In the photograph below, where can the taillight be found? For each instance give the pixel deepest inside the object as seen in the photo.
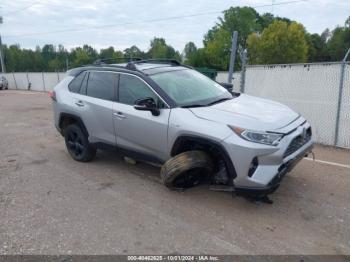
(52, 94)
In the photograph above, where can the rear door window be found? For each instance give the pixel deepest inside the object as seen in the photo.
(101, 85)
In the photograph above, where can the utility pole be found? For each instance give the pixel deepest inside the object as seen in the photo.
(233, 56)
(1, 52)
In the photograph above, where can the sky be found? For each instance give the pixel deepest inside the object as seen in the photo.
(123, 23)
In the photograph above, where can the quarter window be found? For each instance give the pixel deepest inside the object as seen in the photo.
(75, 85)
(101, 85)
(132, 88)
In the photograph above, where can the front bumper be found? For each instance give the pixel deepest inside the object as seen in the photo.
(275, 182)
(273, 162)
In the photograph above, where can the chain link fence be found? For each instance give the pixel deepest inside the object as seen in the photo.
(310, 89)
(41, 81)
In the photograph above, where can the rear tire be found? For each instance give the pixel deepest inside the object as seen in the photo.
(186, 170)
(77, 144)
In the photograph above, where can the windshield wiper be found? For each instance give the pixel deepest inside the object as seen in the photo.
(219, 101)
(192, 105)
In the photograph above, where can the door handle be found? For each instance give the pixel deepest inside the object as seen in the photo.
(79, 103)
(119, 114)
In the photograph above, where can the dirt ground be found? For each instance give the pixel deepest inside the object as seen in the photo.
(50, 204)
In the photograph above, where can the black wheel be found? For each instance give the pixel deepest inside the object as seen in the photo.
(77, 144)
(186, 170)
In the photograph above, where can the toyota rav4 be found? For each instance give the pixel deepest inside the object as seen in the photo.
(163, 112)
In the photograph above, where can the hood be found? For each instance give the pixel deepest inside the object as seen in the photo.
(249, 112)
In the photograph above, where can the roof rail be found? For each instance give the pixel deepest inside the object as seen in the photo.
(133, 61)
(159, 60)
(127, 59)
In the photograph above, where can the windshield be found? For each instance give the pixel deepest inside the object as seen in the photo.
(189, 87)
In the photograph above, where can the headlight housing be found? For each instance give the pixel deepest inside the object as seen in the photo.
(265, 138)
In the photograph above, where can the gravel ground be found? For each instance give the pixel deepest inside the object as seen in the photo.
(50, 204)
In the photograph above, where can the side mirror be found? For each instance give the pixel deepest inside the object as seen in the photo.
(147, 104)
(228, 86)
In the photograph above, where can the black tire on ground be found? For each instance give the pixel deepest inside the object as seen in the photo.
(77, 144)
(0, 87)
(186, 170)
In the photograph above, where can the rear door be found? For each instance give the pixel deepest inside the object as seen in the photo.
(137, 130)
(94, 102)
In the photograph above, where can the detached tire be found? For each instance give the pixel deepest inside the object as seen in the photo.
(77, 144)
(186, 170)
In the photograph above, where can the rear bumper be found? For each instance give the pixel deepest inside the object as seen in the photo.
(275, 182)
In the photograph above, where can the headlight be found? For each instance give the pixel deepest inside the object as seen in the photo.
(272, 139)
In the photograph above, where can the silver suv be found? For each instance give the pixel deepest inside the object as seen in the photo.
(163, 112)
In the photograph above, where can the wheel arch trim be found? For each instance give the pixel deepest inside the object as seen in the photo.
(206, 141)
(76, 118)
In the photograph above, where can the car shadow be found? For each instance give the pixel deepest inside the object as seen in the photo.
(114, 160)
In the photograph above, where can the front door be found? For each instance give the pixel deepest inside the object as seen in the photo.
(137, 130)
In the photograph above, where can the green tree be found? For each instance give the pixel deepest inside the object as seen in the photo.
(159, 49)
(107, 53)
(9, 58)
(217, 51)
(91, 52)
(266, 19)
(278, 43)
(189, 50)
(134, 52)
(241, 19)
(79, 57)
(39, 62)
(194, 56)
(218, 40)
(317, 48)
(339, 43)
(48, 52)
(198, 58)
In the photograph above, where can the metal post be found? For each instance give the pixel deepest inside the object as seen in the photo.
(244, 64)
(29, 84)
(340, 93)
(233, 56)
(3, 70)
(42, 75)
(14, 79)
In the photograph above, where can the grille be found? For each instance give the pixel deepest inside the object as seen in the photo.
(298, 142)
